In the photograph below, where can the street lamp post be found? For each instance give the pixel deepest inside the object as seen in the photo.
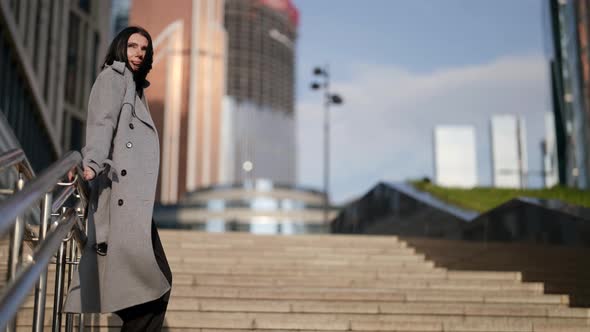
(329, 99)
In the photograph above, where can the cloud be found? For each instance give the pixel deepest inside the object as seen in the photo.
(384, 130)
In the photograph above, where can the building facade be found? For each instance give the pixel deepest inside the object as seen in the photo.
(261, 88)
(222, 93)
(549, 152)
(50, 52)
(509, 151)
(455, 159)
(187, 90)
(119, 16)
(569, 54)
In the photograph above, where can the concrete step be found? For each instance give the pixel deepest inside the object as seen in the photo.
(367, 294)
(253, 289)
(241, 282)
(209, 266)
(344, 322)
(356, 295)
(282, 261)
(287, 249)
(383, 259)
(288, 246)
(363, 281)
(538, 328)
(482, 285)
(292, 250)
(326, 239)
(368, 307)
(289, 254)
(336, 270)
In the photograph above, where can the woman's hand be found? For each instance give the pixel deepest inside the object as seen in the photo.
(88, 173)
(71, 174)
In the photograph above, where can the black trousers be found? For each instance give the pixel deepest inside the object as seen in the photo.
(149, 316)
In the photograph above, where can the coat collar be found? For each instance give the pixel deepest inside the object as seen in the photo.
(141, 112)
(121, 68)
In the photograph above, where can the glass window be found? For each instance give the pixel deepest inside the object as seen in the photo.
(215, 226)
(76, 134)
(50, 27)
(94, 62)
(82, 65)
(215, 205)
(37, 29)
(264, 185)
(264, 225)
(3, 78)
(64, 128)
(85, 5)
(72, 59)
(264, 204)
(288, 227)
(14, 6)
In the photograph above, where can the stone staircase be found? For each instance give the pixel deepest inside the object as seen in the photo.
(243, 282)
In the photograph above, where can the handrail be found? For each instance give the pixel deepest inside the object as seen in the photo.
(18, 289)
(25, 274)
(21, 201)
(17, 157)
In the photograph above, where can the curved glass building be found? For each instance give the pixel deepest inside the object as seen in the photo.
(259, 206)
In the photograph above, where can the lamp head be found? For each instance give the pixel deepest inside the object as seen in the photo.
(336, 99)
(318, 71)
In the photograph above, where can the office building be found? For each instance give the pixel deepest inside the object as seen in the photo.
(549, 153)
(569, 54)
(222, 91)
(509, 152)
(119, 16)
(455, 160)
(261, 87)
(50, 54)
(187, 91)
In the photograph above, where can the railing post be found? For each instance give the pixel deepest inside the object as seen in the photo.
(41, 288)
(59, 286)
(71, 262)
(15, 249)
(80, 322)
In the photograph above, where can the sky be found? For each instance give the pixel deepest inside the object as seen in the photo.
(403, 67)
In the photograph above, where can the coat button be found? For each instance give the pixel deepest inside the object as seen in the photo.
(123, 172)
(131, 126)
(129, 145)
(120, 202)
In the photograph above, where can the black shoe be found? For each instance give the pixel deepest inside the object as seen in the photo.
(101, 248)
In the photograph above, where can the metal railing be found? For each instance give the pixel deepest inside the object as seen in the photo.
(60, 227)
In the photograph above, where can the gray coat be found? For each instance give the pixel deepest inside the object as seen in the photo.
(122, 147)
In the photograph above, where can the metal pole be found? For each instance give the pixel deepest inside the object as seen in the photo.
(71, 263)
(16, 243)
(41, 288)
(80, 322)
(59, 286)
(326, 142)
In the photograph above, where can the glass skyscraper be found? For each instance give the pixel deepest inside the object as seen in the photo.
(50, 53)
(569, 55)
(260, 85)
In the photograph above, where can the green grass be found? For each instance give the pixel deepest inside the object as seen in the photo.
(482, 199)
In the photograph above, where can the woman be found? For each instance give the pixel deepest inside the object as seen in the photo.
(123, 268)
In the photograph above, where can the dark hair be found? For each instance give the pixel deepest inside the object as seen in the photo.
(118, 52)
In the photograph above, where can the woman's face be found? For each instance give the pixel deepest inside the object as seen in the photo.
(137, 46)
